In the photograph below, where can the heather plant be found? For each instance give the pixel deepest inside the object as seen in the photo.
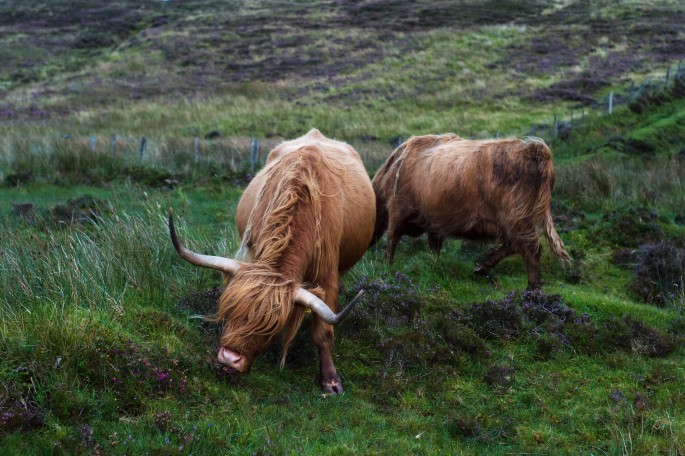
(555, 327)
(18, 408)
(631, 226)
(659, 276)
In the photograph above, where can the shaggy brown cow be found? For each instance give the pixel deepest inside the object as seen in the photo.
(306, 218)
(447, 186)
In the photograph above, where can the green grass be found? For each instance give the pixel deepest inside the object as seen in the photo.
(74, 292)
(101, 350)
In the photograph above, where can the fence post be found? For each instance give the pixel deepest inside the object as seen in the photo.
(556, 126)
(532, 130)
(143, 146)
(114, 144)
(497, 135)
(196, 149)
(254, 146)
(668, 74)
(611, 102)
(91, 142)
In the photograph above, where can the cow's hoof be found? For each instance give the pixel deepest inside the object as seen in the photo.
(535, 286)
(332, 386)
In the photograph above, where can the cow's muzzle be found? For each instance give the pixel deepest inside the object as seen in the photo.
(229, 358)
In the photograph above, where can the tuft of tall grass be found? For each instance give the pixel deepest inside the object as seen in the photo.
(601, 184)
(60, 286)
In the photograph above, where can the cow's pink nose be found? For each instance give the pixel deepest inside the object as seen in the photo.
(232, 359)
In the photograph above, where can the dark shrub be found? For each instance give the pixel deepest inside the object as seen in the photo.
(630, 227)
(639, 147)
(556, 327)
(622, 258)
(391, 317)
(628, 334)
(497, 319)
(394, 301)
(17, 179)
(501, 377)
(82, 210)
(660, 273)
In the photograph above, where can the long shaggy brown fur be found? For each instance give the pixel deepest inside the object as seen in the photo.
(288, 247)
(259, 299)
(482, 190)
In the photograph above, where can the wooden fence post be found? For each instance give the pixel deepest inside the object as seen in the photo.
(91, 142)
(668, 74)
(254, 149)
(611, 102)
(196, 149)
(114, 144)
(143, 146)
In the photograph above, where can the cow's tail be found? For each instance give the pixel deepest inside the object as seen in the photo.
(555, 242)
(385, 186)
(543, 211)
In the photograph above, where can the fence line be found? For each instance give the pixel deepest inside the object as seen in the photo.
(244, 153)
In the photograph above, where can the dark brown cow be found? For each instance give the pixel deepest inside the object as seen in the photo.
(306, 218)
(446, 186)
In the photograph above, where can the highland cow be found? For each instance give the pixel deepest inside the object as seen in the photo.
(305, 219)
(491, 190)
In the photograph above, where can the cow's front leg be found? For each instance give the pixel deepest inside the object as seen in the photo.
(322, 335)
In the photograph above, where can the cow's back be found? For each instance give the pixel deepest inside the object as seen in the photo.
(349, 204)
(466, 188)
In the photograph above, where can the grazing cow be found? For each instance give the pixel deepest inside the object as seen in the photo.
(305, 219)
(494, 190)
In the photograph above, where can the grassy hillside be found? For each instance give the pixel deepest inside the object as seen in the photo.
(377, 68)
(101, 347)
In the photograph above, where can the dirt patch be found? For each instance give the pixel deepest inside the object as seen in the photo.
(580, 89)
(82, 210)
(18, 409)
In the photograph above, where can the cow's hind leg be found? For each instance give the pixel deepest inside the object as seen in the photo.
(396, 229)
(494, 258)
(401, 222)
(531, 253)
(322, 336)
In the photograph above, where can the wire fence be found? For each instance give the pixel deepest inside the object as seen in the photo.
(214, 152)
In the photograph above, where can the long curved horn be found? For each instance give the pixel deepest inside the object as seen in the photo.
(310, 301)
(226, 265)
